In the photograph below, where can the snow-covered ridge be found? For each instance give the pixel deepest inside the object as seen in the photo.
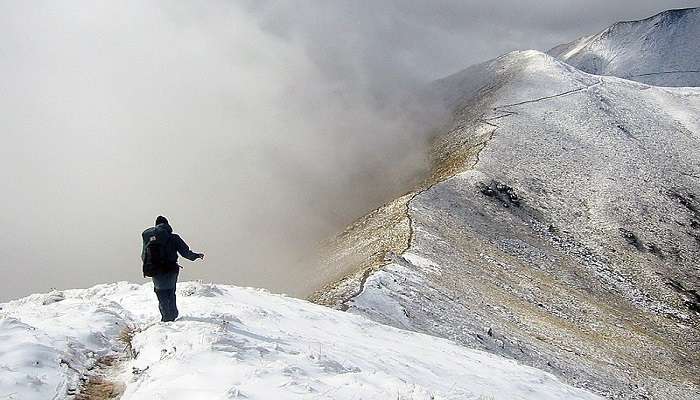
(662, 50)
(560, 227)
(528, 70)
(235, 342)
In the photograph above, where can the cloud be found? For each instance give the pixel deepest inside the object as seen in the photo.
(118, 112)
(257, 127)
(395, 41)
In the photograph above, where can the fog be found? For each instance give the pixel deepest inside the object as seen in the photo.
(257, 127)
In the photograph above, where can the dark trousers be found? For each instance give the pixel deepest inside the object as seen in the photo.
(167, 304)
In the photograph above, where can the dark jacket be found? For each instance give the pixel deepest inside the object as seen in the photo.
(174, 246)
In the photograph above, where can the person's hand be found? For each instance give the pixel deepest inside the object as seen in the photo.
(201, 256)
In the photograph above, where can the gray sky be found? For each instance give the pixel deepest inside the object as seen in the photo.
(257, 127)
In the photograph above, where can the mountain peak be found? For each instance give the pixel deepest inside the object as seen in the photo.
(671, 15)
(661, 50)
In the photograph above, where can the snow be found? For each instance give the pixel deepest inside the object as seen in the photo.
(47, 339)
(233, 342)
(662, 50)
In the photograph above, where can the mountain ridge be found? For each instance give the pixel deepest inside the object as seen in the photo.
(659, 50)
(558, 227)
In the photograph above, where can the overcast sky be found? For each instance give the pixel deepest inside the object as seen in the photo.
(257, 127)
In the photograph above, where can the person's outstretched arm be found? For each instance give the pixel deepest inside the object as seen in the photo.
(185, 251)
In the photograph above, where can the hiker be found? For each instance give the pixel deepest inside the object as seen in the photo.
(159, 256)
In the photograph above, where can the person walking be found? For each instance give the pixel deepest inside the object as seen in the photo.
(159, 255)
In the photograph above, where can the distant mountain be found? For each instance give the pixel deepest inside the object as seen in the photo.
(560, 226)
(662, 50)
(235, 343)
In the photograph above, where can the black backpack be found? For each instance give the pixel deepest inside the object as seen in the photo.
(155, 241)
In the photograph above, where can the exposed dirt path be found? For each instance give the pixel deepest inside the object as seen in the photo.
(101, 383)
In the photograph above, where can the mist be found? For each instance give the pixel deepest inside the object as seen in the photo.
(257, 127)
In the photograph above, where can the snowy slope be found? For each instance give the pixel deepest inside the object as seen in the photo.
(243, 343)
(662, 50)
(561, 227)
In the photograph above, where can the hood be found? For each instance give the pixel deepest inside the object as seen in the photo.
(167, 227)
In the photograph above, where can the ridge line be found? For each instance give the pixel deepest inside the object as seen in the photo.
(666, 72)
(481, 146)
